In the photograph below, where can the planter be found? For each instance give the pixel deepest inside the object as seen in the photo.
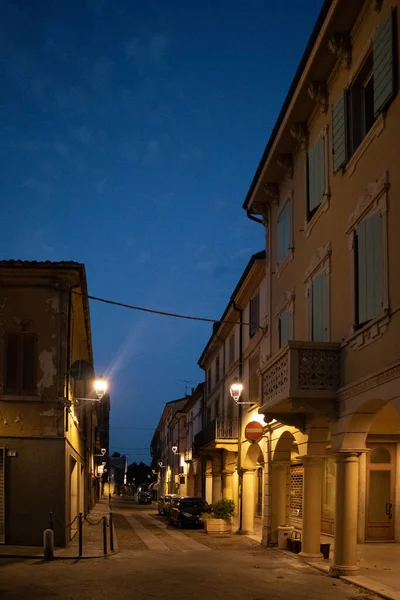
(325, 549)
(218, 526)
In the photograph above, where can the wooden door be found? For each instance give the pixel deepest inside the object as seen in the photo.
(381, 478)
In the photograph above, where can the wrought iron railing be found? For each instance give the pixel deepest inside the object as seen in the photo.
(220, 428)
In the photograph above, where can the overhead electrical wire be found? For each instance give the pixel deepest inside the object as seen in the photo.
(153, 311)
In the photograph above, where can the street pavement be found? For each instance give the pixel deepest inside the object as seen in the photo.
(158, 561)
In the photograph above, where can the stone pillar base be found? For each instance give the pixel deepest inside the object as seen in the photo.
(245, 532)
(311, 556)
(339, 570)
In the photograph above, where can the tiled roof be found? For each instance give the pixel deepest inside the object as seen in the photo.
(40, 264)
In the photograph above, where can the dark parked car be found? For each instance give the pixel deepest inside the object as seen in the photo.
(164, 503)
(186, 511)
(144, 498)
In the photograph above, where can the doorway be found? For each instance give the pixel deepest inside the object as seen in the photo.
(381, 479)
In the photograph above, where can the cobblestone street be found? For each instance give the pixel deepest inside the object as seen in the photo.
(155, 560)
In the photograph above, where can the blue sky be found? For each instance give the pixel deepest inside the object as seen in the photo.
(130, 133)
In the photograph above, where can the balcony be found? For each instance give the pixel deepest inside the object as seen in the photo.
(302, 378)
(221, 433)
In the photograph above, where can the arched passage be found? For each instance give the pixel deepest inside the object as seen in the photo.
(252, 482)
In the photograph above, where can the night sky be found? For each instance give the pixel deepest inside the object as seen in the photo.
(130, 133)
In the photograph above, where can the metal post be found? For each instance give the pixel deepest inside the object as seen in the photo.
(105, 534)
(80, 523)
(111, 533)
(51, 526)
(48, 544)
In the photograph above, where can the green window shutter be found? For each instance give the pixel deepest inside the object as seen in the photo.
(284, 235)
(383, 51)
(288, 237)
(316, 173)
(362, 273)
(310, 312)
(319, 299)
(339, 132)
(373, 266)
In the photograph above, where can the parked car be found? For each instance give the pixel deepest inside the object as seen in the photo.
(164, 504)
(145, 498)
(186, 510)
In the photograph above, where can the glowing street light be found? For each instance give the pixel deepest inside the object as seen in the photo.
(100, 386)
(236, 389)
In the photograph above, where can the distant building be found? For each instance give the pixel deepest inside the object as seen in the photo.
(48, 434)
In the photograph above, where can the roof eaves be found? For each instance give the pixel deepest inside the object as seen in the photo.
(288, 99)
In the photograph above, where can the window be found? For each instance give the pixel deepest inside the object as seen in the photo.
(285, 328)
(20, 363)
(254, 315)
(318, 308)
(254, 379)
(209, 379)
(284, 233)
(368, 263)
(315, 176)
(217, 369)
(355, 111)
(231, 348)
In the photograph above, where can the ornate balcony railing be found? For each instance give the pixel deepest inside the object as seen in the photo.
(301, 370)
(219, 429)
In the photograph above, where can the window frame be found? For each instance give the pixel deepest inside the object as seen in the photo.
(286, 305)
(254, 324)
(374, 199)
(20, 389)
(287, 205)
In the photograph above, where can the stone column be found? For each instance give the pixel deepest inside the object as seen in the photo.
(312, 501)
(227, 485)
(216, 486)
(209, 487)
(248, 501)
(345, 551)
(279, 472)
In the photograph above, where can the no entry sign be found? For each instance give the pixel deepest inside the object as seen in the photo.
(253, 431)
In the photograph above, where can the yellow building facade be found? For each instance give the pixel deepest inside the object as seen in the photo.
(47, 436)
(326, 191)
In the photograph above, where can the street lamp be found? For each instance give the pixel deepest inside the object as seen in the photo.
(236, 390)
(100, 386)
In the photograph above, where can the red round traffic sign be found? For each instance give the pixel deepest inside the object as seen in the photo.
(253, 431)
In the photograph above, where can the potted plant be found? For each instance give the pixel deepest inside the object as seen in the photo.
(219, 519)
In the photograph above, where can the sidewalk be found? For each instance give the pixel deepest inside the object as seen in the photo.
(92, 540)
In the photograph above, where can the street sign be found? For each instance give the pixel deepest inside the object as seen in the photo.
(253, 431)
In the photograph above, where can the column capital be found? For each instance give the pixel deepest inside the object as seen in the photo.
(280, 464)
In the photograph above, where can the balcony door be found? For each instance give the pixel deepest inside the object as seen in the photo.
(381, 480)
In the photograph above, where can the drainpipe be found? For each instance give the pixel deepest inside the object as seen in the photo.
(253, 218)
(239, 462)
(68, 360)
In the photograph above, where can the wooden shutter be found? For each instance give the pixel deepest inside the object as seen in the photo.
(253, 379)
(2, 495)
(28, 363)
(281, 237)
(12, 363)
(288, 227)
(339, 132)
(254, 315)
(316, 174)
(362, 272)
(383, 51)
(285, 328)
(369, 266)
(319, 308)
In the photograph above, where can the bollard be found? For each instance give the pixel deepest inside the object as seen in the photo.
(80, 519)
(105, 534)
(51, 525)
(48, 544)
(111, 533)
